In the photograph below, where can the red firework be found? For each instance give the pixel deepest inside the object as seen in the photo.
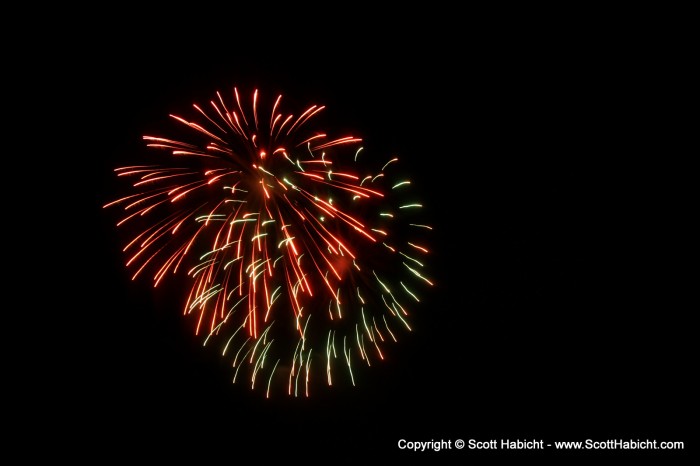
(275, 222)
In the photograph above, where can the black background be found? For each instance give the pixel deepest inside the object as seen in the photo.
(556, 313)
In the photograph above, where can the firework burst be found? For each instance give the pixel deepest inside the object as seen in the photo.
(305, 254)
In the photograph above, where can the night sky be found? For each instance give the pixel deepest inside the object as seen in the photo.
(554, 314)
